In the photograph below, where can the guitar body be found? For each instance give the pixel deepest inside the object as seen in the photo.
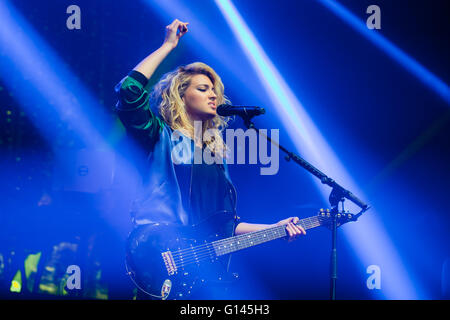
(173, 262)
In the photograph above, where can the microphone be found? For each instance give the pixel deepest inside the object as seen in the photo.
(226, 110)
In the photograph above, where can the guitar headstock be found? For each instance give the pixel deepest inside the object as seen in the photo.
(326, 217)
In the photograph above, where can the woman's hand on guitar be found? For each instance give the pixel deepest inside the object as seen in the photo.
(293, 230)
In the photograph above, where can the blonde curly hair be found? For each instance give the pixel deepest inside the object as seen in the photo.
(166, 97)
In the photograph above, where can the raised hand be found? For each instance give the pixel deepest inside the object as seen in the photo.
(175, 31)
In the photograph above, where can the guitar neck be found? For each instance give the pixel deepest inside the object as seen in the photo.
(236, 243)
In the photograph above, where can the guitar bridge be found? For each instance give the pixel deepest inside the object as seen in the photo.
(169, 262)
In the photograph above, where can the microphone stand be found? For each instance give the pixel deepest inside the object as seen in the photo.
(338, 195)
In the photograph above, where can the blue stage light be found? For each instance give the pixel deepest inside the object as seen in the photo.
(38, 77)
(44, 86)
(409, 63)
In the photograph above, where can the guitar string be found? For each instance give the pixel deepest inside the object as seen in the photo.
(217, 242)
(259, 235)
(194, 258)
(198, 251)
(211, 250)
(208, 251)
(308, 225)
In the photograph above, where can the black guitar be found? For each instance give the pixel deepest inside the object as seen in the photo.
(168, 262)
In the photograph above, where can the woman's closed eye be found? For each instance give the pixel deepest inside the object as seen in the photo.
(204, 89)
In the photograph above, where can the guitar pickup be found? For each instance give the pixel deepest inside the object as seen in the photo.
(169, 262)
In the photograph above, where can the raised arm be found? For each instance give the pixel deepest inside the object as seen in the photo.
(174, 32)
(133, 107)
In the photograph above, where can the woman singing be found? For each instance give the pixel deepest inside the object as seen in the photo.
(176, 189)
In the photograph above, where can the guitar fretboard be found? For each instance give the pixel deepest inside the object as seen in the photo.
(236, 243)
